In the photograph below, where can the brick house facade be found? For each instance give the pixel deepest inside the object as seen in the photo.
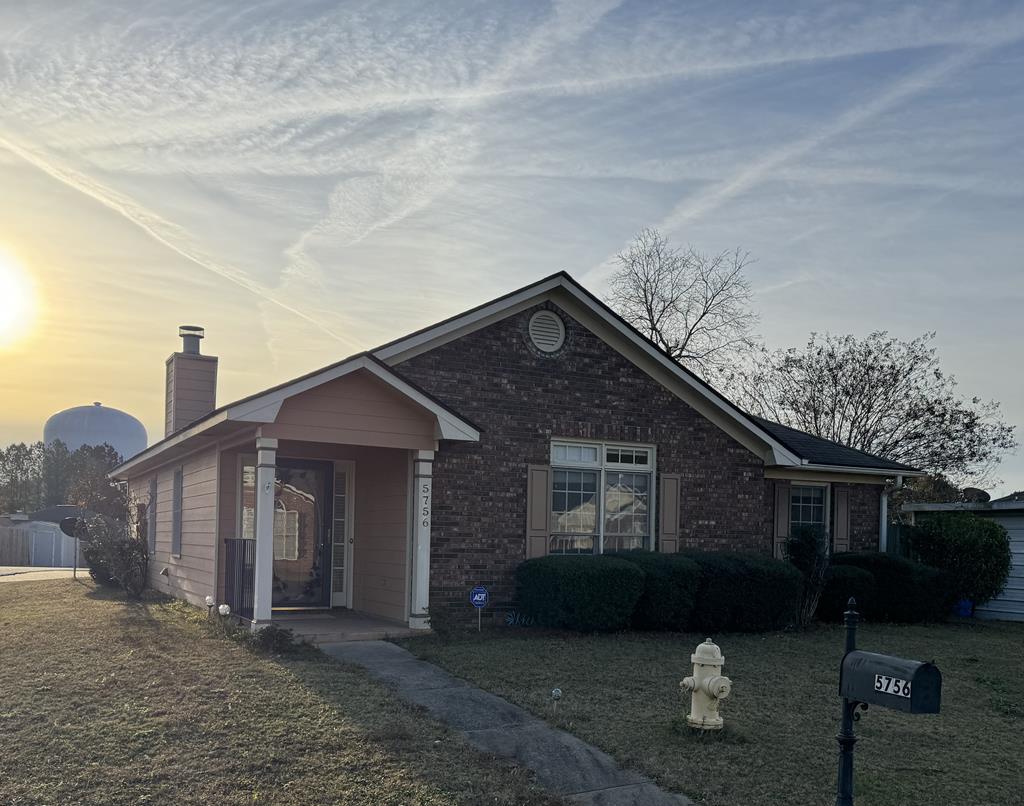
(521, 398)
(539, 422)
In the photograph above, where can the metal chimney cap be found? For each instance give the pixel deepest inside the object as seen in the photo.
(191, 330)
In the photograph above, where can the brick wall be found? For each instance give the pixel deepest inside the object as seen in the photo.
(865, 510)
(520, 399)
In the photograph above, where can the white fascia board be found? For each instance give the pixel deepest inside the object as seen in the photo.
(440, 332)
(406, 348)
(150, 453)
(869, 471)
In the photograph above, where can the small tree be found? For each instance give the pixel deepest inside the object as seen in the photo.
(696, 307)
(808, 550)
(117, 550)
(975, 552)
(881, 395)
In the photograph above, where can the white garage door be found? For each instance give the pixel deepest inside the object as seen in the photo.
(1009, 606)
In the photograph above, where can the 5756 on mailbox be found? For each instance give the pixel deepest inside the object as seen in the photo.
(904, 685)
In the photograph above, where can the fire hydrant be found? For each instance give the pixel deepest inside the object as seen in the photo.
(707, 687)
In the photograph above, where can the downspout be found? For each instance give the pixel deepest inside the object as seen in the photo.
(883, 516)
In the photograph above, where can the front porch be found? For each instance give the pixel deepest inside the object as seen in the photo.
(324, 513)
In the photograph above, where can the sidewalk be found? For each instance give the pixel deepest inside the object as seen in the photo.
(564, 765)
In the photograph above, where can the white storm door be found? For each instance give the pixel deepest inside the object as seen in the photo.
(342, 535)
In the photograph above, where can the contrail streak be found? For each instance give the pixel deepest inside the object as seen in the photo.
(156, 228)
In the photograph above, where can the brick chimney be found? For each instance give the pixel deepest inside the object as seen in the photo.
(191, 382)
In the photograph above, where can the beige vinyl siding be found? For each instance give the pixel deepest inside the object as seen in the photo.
(381, 534)
(358, 409)
(190, 576)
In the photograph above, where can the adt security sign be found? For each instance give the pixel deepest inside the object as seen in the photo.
(479, 596)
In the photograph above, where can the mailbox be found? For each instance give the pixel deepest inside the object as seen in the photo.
(904, 685)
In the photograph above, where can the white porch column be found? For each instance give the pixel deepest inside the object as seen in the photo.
(422, 489)
(263, 583)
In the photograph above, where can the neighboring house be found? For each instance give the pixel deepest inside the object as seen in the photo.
(1009, 513)
(397, 479)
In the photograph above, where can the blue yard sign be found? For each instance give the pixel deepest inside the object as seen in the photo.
(479, 596)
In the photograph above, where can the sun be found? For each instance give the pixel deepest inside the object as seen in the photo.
(17, 299)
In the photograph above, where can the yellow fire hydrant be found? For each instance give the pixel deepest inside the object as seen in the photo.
(707, 687)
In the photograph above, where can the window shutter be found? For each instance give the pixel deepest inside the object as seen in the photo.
(668, 513)
(176, 514)
(781, 518)
(841, 505)
(538, 510)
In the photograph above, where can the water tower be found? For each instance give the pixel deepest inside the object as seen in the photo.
(95, 425)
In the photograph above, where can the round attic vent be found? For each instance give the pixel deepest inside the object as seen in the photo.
(547, 331)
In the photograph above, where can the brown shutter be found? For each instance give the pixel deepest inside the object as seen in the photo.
(668, 513)
(781, 518)
(538, 510)
(841, 506)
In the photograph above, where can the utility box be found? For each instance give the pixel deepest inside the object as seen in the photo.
(891, 682)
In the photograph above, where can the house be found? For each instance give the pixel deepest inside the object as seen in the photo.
(1009, 513)
(395, 480)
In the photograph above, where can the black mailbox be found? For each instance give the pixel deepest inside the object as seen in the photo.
(905, 685)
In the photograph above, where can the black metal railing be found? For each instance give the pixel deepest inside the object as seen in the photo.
(239, 573)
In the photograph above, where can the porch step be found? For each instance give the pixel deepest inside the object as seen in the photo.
(332, 627)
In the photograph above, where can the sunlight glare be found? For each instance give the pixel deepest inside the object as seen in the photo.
(17, 299)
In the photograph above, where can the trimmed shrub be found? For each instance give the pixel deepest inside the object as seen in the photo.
(842, 582)
(974, 551)
(587, 593)
(744, 592)
(905, 591)
(670, 588)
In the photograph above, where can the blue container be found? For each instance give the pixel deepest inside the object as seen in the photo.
(965, 608)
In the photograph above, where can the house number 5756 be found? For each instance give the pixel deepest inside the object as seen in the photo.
(425, 504)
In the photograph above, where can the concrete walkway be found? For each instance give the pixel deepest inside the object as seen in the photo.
(564, 765)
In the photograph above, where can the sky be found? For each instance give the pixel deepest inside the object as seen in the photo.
(309, 179)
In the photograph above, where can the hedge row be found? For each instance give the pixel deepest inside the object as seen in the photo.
(887, 588)
(694, 591)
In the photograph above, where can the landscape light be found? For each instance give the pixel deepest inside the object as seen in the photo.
(224, 610)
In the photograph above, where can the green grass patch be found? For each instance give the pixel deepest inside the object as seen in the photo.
(103, 701)
(621, 692)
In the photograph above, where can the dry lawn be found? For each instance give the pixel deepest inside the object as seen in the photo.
(106, 702)
(620, 692)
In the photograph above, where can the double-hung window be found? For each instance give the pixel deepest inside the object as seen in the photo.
(601, 497)
(808, 507)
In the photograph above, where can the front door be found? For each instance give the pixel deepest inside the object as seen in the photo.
(303, 514)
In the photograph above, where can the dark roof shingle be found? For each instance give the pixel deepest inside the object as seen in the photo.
(824, 451)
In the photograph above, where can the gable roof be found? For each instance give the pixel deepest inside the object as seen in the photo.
(821, 451)
(775, 444)
(262, 407)
(788, 446)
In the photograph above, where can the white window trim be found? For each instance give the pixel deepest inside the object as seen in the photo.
(602, 466)
(827, 502)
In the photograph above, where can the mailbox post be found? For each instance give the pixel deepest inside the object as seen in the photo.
(868, 678)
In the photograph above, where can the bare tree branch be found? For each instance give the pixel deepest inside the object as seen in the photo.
(696, 307)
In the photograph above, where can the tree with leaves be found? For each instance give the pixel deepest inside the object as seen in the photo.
(882, 395)
(696, 307)
(41, 475)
